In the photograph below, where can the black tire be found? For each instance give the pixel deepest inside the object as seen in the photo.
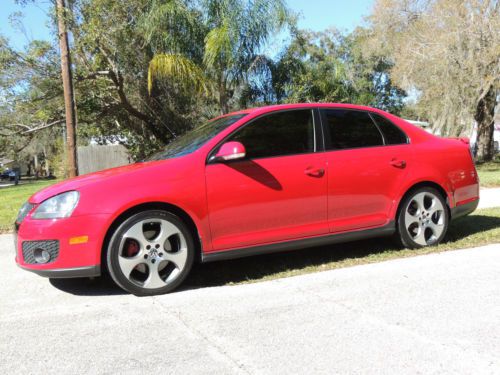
(407, 232)
(114, 249)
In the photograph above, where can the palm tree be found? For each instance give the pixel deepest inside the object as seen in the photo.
(235, 31)
(173, 30)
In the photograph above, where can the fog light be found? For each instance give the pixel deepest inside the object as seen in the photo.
(41, 255)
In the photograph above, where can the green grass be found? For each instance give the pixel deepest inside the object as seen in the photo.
(489, 174)
(480, 228)
(12, 197)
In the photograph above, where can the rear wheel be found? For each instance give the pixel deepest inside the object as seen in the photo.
(150, 253)
(423, 218)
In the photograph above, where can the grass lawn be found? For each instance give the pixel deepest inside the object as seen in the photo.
(12, 197)
(489, 174)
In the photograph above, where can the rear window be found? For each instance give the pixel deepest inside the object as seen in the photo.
(351, 129)
(392, 134)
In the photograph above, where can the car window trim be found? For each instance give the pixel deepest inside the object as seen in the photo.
(318, 138)
(384, 141)
(319, 133)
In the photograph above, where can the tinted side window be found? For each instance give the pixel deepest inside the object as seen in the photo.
(351, 129)
(392, 134)
(277, 134)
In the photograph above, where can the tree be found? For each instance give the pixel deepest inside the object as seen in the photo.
(114, 45)
(446, 51)
(235, 31)
(31, 104)
(110, 57)
(326, 66)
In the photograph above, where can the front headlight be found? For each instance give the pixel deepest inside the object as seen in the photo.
(23, 211)
(59, 206)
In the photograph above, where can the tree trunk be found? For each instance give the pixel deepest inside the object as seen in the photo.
(69, 99)
(223, 99)
(224, 107)
(485, 113)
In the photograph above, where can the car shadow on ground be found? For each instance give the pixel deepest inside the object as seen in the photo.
(99, 286)
(262, 266)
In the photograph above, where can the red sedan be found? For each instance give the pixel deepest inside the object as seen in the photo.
(251, 182)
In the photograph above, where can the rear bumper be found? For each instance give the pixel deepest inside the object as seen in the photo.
(464, 209)
(67, 273)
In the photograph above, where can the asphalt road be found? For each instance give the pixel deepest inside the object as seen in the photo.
(438, 313)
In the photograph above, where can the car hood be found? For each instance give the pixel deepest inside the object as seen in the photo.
(99, 177)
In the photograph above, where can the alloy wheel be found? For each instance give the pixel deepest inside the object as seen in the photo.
(152, 253)
(424, 218)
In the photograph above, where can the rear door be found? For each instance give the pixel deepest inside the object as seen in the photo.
(278, 192)
(367, 163)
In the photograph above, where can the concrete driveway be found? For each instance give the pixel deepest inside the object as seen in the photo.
(490, 197)
(438, 313)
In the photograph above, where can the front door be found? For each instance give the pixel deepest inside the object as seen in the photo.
(278, 192)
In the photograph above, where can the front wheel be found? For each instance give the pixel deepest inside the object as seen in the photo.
(423, 218)
(150, 253)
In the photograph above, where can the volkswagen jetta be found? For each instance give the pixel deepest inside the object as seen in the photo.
(250, 182)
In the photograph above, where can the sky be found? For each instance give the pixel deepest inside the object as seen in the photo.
(34, 22)
(313, 14)
(318, 15)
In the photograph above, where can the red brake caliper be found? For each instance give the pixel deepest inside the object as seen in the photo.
(131, 248)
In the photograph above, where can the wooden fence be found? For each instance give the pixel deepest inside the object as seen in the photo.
(96, 158)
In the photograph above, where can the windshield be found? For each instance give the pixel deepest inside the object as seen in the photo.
(194, 139)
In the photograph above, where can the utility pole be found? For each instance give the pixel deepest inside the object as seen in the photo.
(69, 98)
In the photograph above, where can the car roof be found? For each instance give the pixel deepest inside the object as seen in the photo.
(277, 107)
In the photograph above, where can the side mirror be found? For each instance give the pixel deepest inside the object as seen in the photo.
(230, 151)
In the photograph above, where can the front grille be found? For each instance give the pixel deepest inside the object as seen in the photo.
(29, 247)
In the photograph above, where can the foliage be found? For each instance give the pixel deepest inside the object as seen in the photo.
(234, 32)
(324, 67)
(31, 107)
(189, 75)
(112, 58)
(146, 71)
(447, 52)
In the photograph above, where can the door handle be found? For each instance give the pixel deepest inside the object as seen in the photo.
(314, 172)
(398, 163)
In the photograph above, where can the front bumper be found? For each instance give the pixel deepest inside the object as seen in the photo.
(71, 258)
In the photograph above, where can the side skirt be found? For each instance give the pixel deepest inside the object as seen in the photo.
(329, 239)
